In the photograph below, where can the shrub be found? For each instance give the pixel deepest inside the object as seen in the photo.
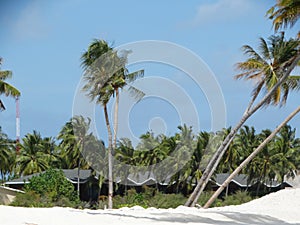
(50, 188)
(238, 198)
(205, 196)
(166, 201)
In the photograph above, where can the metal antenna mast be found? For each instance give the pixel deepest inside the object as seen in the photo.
(17, 123)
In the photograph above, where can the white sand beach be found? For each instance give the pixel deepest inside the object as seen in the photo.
(280, 208)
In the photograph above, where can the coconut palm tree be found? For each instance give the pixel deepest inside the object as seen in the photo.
(7, 156)
(264, 67)
(105, 74)
(32, 158)
(285, 13)
(287, 148)
(74, 137)
(273, 79)
(6, 88)
(125, 154)
(250, 157)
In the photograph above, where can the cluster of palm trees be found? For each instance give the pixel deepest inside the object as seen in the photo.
(279, 158)
(271, 69)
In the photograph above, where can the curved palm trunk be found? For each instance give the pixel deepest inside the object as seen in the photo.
(213, 163)
(110, 166)
(250, 157)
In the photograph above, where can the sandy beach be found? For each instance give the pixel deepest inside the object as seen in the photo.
(282, 207)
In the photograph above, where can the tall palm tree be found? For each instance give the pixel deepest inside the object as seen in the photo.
(32, 158)
(105, 74)
(285, 13)
(6, 88)
(273, 83)
(250, 157)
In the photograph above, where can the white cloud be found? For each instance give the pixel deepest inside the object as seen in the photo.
(30, 23)
(221, 10)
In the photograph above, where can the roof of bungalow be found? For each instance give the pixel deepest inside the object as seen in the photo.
(144, 178)
(242, 181)
(71, 175)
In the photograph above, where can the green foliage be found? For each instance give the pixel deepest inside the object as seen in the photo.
(205, 196)
(151, 198)
(48, 189)
(238, 198)
(132, 198)
(165, 201)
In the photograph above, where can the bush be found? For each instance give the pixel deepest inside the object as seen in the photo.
(238, 198)
(46, 190)
(131, 198)
(205, 196)
(166, 201)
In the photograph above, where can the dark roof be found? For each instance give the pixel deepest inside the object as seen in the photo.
(144, 178)
(242, 181)
(71, 175)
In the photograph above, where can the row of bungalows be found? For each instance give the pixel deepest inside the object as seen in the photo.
(90, 191)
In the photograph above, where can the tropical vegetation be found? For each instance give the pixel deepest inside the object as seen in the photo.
(192, 159)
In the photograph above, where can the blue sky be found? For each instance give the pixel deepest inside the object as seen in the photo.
(42, 41)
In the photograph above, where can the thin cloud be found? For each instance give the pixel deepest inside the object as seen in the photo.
(30, 23)
(222, 10)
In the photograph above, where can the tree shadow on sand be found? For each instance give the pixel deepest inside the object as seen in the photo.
(229, 218)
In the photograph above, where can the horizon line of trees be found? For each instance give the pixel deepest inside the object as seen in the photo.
(279, 158)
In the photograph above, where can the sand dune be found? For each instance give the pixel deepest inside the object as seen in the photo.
(280, 208)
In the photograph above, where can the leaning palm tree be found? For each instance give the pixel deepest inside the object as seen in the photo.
(285, 13)
(250, 157)
(264, 67)
(105, 74)
(271, 70)
(6, 88)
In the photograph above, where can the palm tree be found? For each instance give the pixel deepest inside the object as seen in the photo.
(285, 13)
(265, 68)
(125, 154)
(32, 158)
(7, 156)
(105, 74)
(287, 148)
(6, 88)
(272, 82)
(50, 148)
(74, 137)
(250, 157)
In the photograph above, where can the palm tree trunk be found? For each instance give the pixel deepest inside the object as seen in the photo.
(213, 163)
(78, 177)
(116, 118)
(250, 157)
(110, 166)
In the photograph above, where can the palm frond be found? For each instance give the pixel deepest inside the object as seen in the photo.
(5, 74)
(136, 93)
(8, 89)
(134, 75)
